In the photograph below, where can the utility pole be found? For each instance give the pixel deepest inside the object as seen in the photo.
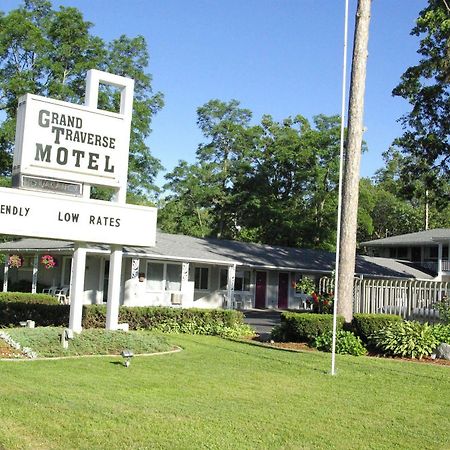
(350, 186)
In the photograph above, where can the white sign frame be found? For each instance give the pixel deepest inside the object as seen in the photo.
(56, 139)
(52, 216)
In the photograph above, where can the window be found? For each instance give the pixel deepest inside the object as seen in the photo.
(433, 252)
(223, 280)
(155, 276)
(445, 251)
(173, 277)
(241, 280)
(163, 277)
(402, 252)
(201, 278)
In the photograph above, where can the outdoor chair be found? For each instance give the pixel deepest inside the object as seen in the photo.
(238, 302)
(63, 295)
(51, 290)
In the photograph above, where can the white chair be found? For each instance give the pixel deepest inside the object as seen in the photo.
(63, 295)
(51, 290)
(238, 302)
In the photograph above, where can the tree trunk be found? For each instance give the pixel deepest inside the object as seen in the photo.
(350, 185)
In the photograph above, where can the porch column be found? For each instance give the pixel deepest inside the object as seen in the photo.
(5, 276)
(114, 286)
(77, 287)
(184, 275)
(135, 269)
(35, 274)
(439, 264)
(230, 286)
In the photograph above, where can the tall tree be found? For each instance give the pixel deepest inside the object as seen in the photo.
(426, 138)
(272, 183)
(224, 124)
(350, 184)
(48, 52)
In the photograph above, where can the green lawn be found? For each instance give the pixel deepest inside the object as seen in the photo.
(218, 394)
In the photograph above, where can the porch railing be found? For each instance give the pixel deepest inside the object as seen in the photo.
(433, 265)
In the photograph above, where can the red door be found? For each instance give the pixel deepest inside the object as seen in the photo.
(283, 289)
(260, 297)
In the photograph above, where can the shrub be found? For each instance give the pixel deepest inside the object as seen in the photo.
(443, 306)
(305, 327)
(365, 325)
(44, 309)
(278, 333)
(227, 323)
(346, 343)
(23, 297)
(442, 333)
(411, 339)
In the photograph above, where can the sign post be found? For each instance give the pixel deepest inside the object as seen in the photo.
(62, 149)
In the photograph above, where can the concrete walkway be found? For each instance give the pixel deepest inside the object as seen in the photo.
(262, 320)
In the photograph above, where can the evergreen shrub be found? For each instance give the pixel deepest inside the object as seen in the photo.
(228, 323)
(305, 327)
(365, 325)
(16, 307)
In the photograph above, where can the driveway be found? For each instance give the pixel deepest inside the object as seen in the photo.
(262, 320)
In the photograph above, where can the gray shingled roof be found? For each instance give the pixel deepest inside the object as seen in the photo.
(427, 237)
(217, 251)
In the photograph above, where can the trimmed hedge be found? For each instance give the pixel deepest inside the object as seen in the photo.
(27, 297)
(365, 325)
(306, 327)
(45, 311)
(138, 318)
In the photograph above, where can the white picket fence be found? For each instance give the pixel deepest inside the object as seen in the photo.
(412, 299)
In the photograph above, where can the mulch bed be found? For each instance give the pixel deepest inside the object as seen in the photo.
(301, 346)
(6, 351)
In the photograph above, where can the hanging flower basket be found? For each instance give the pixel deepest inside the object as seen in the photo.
(15, 261)
(48, 261)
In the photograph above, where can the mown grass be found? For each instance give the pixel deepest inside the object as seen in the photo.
(46, 343)
(218, 394)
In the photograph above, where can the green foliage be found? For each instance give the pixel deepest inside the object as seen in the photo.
(442, 333)
(304, 327)
(45, 311)
(346, 343)
(365, 325)
(46, 343)
(48, 52)
(411, 339)
(381, 212)
(42, 310)
(306, 285)
(271, 183)
(227, 323)
(28, 298)
(425, 86)
(443, 306)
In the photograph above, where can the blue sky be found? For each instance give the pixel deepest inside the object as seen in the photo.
(277, 57)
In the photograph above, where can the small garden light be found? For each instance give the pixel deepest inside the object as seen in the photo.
(65, 335)
(127, 355)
